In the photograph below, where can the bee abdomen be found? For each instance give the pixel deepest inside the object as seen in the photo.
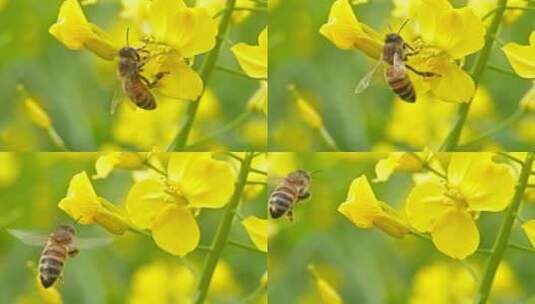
(49, 270)
(281, 201)
(403, 87)
(146, 101)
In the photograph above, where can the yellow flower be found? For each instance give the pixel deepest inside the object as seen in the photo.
(403, 161)
(527, 103)
(223, 282)
(438, 48)
(253, 59)
(257, 230)
(346, 32)
(259, 101)
(309, 115)
(447, 208)
(195, 180)
(529, 230)
(160, 282)
(37, 114)
(10, 168)
(75, 32)
(484, 7)
(327, 294)
(135, 10)
(83, 205)
(522, 57)
(420, 124)
(121, 160)
(365, 211)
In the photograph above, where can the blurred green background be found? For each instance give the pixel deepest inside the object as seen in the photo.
(327, 76)
(76, 87)
(367, 265)
(31, 185)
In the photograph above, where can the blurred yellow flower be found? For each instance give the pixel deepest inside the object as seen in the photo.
(37, 114)
(10, 168)
(257, 230)
(195, 180)
(529, 230)
(365, 211)
(484, 7)
(160, 282)
(327, 294)
(309, 115)
(253, 59)
(446, 283)
(346, 32)
(75, 32)
(527, 103)
(259, 101)
(83, 205)
(447, 208)
(522, 57)
(48, 295)
(121, 160)
(223, 281)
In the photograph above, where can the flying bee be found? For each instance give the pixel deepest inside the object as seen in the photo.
(395, 54)
(136, 86)
(294, 188)
(58, 247)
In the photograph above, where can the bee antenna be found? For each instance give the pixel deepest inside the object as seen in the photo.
(403, 25)
(127, 33)
(315, 172)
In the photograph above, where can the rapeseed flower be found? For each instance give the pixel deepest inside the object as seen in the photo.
(257, 229)
(364, 210)
(438, 46)
(522, 57)
(326, 292)
(83, 205)
(253, 59)
(406, 162)
(120, 160)
(167, 207)
(447, 208)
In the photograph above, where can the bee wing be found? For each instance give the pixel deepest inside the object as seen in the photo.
(398, 65)
(367, 79)
(28, 237)
(88, 243)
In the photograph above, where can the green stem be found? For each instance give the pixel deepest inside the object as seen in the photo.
(230, 126)
(209, 64)
(252, 9)
(522, 248)
(501, 70)
(451, 142)
(233, 72)
(502, 239)
(504, 124)
(245, 246)
(222, 234)
(511, 158)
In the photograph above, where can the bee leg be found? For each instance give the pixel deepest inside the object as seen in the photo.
(290, 215)
(423, 74)
(73, 252)
(145, 80)
(304, 196)
(157, 79)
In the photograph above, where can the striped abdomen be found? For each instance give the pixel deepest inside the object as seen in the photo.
(400, 83)
(282, 199)
(139, 93)
(51, 263)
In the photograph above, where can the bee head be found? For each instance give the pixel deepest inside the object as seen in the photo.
(128, 52)
(393, 38)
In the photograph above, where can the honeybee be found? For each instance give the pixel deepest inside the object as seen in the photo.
(58, 247)
(136, 86)
(395, 54)
(294, 188)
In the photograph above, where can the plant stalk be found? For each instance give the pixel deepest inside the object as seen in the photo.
(221, 237)
(502, 241)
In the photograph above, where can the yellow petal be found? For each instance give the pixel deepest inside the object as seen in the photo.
(424, 205)
(527, 103)
(361, 206)
(203, 181)
(105, 164)
(470, 172)
(328, 294)
(181, 81)
(192, 31)
(344, 30)
(385, 168)
(175, 230)
(529, 230)
(455, 234)
(253, 59)
(259, 101)
(81, 202)
(522, 57)
(144, 202)
(71, 28)
(309, 114)
(453, 84)
(257, 230)
(161, 12)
